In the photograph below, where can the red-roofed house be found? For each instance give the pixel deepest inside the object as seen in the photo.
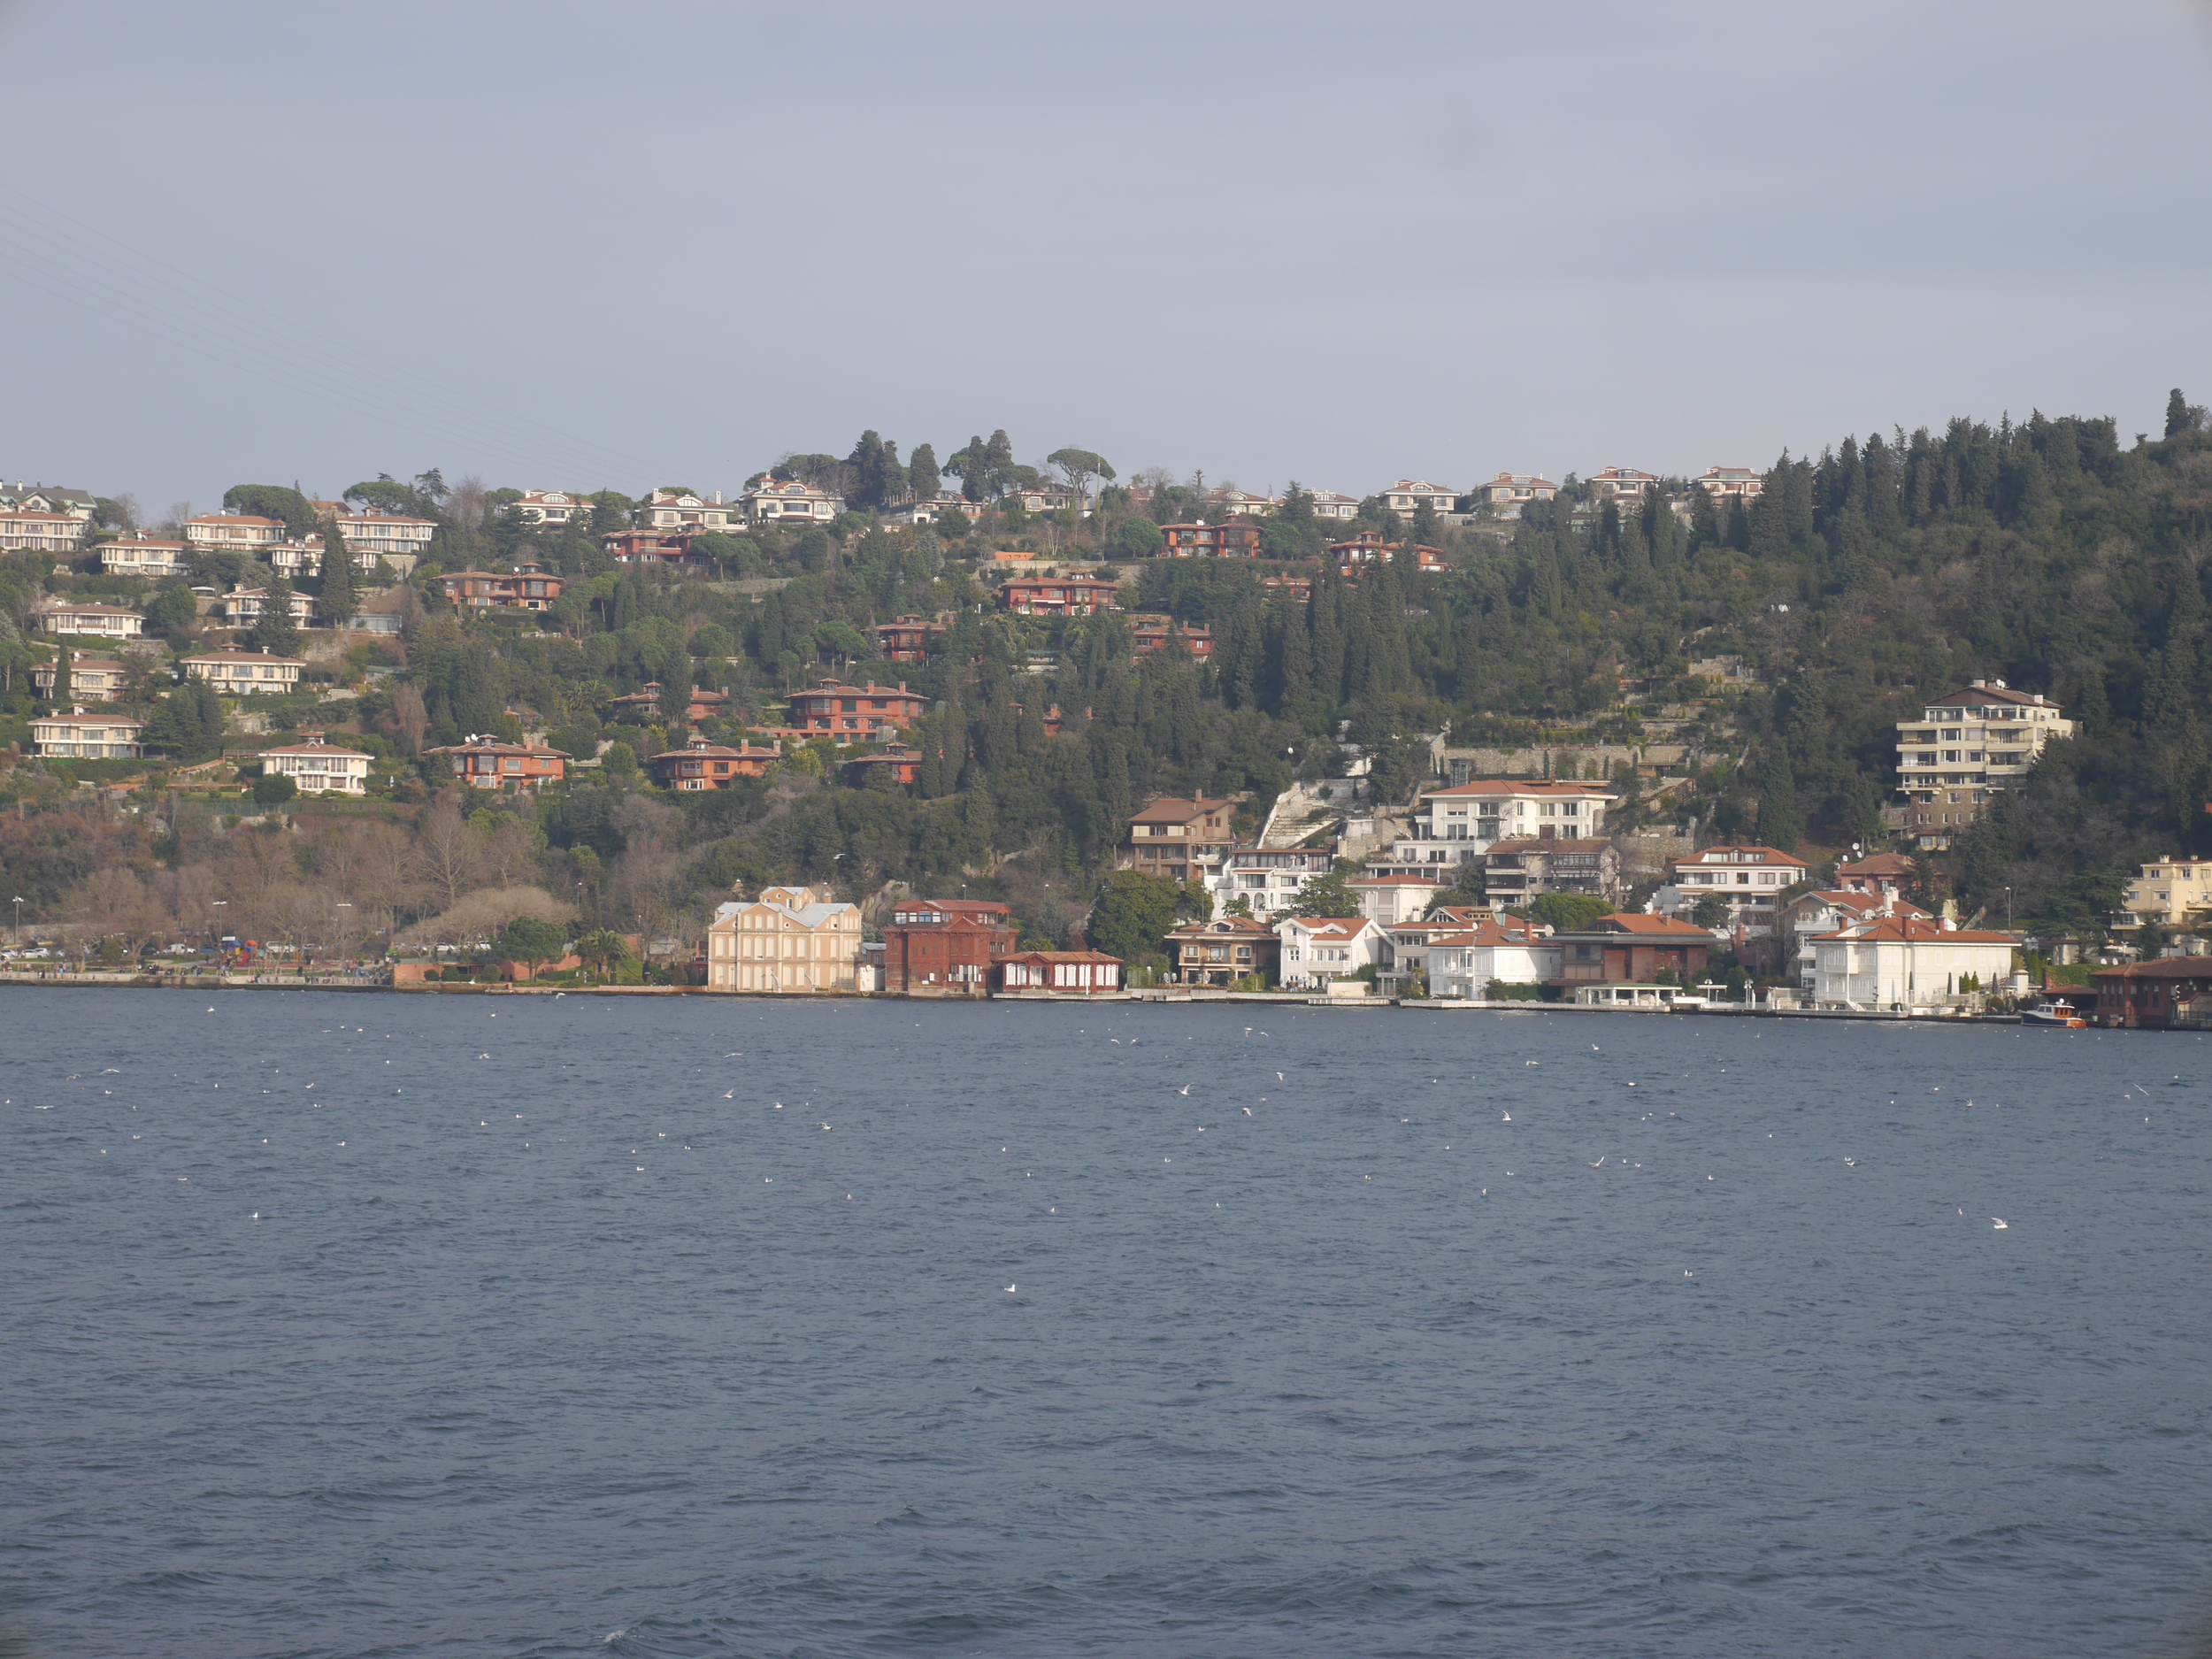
(1824, 910)
(854, 714)
(1622, 484)
(1405, 497)
(907, 639)
(486, 763)
(1316, 950)
(700, 764)
(2155, 996)
(1903, 962)
(1059, 595)
(901, 761)
(1151, 633)
(1367, 547)
(1234, 540)
(1750, 878)
(316, 766)
(1882, 872)
(1466, 961)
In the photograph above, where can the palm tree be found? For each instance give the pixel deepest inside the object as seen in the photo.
(601, 949)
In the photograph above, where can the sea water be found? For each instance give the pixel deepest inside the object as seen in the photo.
(375, 1325)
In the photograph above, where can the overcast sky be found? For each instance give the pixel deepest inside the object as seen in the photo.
(570, 243)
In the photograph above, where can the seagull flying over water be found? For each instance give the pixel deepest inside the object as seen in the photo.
(1999, 1225)
(1247, 1111)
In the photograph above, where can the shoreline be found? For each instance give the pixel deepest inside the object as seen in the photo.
(97, 978)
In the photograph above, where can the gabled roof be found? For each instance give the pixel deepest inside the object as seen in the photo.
(2164, 968)
(1330, 926)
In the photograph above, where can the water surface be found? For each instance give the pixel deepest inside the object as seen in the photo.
(362, 1325)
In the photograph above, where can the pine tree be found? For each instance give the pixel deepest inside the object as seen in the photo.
(1781, 821)
(922, 479)
(2179, 418)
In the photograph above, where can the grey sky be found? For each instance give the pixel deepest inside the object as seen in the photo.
(568, 244)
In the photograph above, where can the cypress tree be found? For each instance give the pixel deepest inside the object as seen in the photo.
(340, 596)
(2178, 416)
(274, 630)
(63, 685)
(1781, 822)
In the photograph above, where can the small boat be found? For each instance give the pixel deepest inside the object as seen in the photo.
(2058, 1013)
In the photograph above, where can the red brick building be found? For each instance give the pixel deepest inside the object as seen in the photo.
(907, 639)
(853, 714)
(526, 588)
(485, 763)
(1238, 539)
(706, 703)
(700, 764)
(1059, 595)
(945, 947)
(1150, 633)
(902, 761)
(2174, 991)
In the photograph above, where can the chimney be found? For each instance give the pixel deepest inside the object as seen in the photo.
(1981, 684)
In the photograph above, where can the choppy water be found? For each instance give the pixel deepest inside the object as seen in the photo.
(553, 1336)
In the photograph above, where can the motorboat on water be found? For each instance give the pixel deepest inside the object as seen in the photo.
(2059, 1013)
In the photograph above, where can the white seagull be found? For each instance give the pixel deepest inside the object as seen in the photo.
(1183, 1090)
(2000, 1224)
(1010, 1289)
(1247, 1111)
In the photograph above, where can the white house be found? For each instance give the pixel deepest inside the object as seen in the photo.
(774, 503)
(1458, 823)
(371, 537)
(1731, 483)
(1405, 497)
(1824, 910)
(314, 766)
(104, 621)
(1388, 900)
(1464, 964)
(552, 506)
(49, 498)
(241, 607)
(234, 532)
(671, 510)
(70, 736)
(141, 555)
(38, 532)
(1327, 503)
(1318, 948)
(1266, 878)
(1903, 962)
(786, 939)
(239, 673)
(1508, 493)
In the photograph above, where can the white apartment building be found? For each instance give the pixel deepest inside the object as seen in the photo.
(314, 766)
(1316, 950)
(1903, 962)
(2170, 892)
(773, 502)
(1750, 878)
(110, 622)
(141, 555)
(667, 510)
(295, 560)
(1966, 745)
(1457, 824)
(241, 607)
(1388, 900)
(86, 736)
(38, 532)
(234, 532)
(242, 674)
(1266, 878)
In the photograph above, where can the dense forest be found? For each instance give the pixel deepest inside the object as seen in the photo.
(1889, 568)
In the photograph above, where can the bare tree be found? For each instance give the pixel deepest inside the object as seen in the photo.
(448, 846)
(408, 720)
(389, 881)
